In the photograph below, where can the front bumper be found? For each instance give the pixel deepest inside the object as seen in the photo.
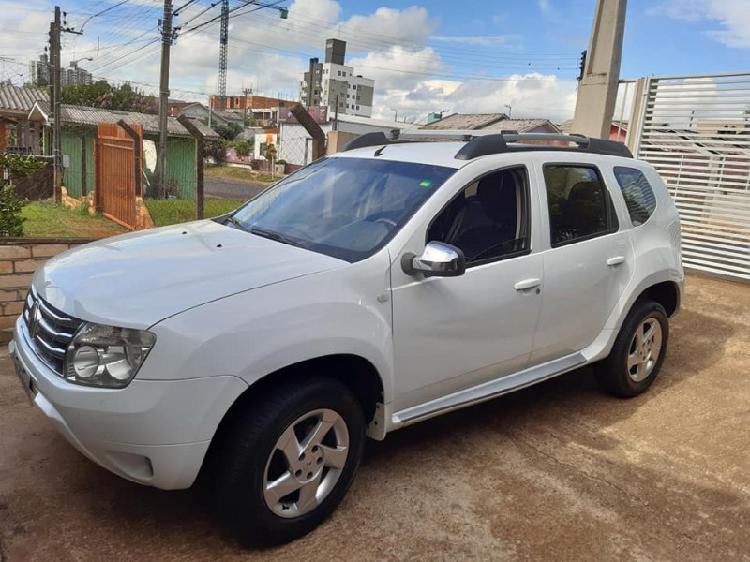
(154, 432)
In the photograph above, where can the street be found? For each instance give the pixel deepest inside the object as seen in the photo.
(559, 471)
(222, 189)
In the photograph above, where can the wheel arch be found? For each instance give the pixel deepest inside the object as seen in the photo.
(354, 371)
(665, 293)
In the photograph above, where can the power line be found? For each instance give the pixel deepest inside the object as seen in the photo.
(104, 11)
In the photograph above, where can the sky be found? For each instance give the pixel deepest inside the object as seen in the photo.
(469, 56)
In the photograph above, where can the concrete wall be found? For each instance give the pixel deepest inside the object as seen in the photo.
(19, 258)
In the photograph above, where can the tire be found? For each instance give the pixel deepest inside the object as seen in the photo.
(629, 370)
(247, 457)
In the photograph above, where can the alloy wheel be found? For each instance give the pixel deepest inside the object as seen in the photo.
(644, 350)
(306, 463)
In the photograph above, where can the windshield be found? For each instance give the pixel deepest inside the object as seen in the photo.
(347, 208)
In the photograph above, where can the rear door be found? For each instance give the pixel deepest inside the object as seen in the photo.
(588, 262)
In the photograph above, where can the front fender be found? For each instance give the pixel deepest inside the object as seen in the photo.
(257, 332)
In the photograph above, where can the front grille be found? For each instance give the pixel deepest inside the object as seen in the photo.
(50, 330)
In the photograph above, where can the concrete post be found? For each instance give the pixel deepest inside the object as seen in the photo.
(597, 91)
(337, 140)
(636, 116)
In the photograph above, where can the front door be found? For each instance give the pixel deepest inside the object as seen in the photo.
(451, 333)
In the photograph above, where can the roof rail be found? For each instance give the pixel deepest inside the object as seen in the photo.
(498, 143)
(368, 139)
(486, 142)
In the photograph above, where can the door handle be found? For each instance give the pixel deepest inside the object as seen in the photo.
(527, 284)
(617, 260)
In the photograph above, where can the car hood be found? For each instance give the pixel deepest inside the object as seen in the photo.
(140, 278)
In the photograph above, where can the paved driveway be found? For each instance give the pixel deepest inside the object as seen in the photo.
(557, 472)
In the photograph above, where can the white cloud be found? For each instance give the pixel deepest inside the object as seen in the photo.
(398, 68)
(530, 95)
(732, 15)
(388, 26)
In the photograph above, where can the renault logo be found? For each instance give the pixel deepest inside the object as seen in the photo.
(34, 319)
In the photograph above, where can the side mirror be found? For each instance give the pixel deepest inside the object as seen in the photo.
(437, 259)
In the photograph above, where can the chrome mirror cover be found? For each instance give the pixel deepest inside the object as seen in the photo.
(437, 260)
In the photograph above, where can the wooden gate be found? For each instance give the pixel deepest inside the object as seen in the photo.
(115, 173)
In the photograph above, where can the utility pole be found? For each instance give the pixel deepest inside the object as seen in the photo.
(247, 92)
(54, 45)
(166, 44)
(597, 90)
(56, 28)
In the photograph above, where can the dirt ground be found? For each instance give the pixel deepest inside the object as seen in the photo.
(559, 471)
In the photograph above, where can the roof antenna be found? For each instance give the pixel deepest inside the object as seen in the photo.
(380, 150)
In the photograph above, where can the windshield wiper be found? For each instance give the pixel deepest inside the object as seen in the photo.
(270, 234)
(234, 222)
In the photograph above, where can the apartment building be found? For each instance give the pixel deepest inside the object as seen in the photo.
(331, 82)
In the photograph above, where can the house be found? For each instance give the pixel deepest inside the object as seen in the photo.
(79, 133)
(17, 134)
(491, 121)
(618, 130)
(213, 118)
(264, 110)
(466, 121)
(295, 144)
(263, 140)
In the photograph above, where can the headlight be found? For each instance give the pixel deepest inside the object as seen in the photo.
(106, 356)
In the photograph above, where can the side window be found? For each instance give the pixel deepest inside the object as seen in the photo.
(637, 192)
(489, 219)
(579, 204)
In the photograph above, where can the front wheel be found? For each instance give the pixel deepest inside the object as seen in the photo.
(285, 463)
(638, 353)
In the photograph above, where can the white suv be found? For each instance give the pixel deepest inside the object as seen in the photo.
(370, 290)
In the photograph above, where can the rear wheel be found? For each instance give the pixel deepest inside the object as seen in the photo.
(286, 463)
(638, 353)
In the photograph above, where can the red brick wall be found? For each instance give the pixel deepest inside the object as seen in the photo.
(19, 258)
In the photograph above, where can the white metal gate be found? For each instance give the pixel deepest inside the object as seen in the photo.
(695, 130)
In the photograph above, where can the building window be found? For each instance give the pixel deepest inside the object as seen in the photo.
(357, 107)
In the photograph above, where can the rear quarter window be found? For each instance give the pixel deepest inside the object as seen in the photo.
(637, 192)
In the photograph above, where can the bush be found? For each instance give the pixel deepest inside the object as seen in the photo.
(13, 165)
(215, 150)
(11, 221)
(242, 148)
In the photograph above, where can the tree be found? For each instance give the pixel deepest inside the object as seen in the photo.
(229, 132)
(270, 152)
(242, 148)
(103, 95)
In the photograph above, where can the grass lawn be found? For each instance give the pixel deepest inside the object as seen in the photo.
(230, 173)
(173, 211)
(44, 219)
